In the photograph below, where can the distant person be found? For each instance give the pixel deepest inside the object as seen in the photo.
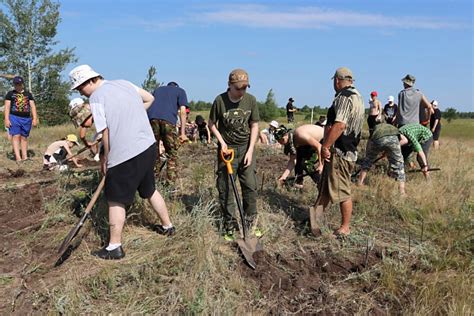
(385, 140)
(435, 124)
(190, 128)
(339, 148)
(58, 151)
(416, 138)
(290, 110)
(390, 111)
(163, 115)
(203, 130)
(267, 135)
(234, 121)
(375, 112)
(119, 112)
(20, 115)
(304, 147)
(409, 102)
(81, 116)
(321, 121)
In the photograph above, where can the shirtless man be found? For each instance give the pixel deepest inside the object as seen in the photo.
(374, 111)
(301, 145)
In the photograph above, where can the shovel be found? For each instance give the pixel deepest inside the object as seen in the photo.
(248, 245)
(67, 241)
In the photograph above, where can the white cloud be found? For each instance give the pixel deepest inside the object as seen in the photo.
(314, 17)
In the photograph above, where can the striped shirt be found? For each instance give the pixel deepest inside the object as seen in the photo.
(416, 135)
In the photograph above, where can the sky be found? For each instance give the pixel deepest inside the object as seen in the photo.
(292, 46)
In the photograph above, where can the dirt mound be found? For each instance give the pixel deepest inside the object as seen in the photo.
(299, 282)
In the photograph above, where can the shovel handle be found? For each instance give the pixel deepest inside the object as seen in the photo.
(228, 162)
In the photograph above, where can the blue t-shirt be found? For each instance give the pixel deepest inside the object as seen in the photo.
(168, 100)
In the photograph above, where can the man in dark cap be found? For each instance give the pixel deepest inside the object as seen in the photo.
(290, 110)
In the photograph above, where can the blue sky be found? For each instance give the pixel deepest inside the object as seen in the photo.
(292, 47)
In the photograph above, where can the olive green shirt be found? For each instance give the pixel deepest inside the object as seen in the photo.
(233, 119)
(384, 129)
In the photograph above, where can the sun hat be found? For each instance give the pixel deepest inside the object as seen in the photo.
(240, 77)
(409, 80)
(391, 98)
(343, 73)
(280, 132)
(75, 102)
(81, 74)
(72, 138)
(274, 124)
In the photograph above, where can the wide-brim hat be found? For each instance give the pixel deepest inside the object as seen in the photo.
(81, 74)
(409, 80)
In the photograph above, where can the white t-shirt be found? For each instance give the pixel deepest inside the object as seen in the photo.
(116, 105)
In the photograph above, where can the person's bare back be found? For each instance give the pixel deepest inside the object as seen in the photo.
(305, 133)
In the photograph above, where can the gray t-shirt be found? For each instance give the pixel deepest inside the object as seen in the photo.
(409, 106)
(116, 105)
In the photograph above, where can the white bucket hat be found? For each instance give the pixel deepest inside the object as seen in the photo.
(274, 124)
(75, 102)
(81, 74)
(391, 98)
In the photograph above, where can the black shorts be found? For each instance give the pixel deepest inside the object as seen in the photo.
(436, 132)
(137, 173)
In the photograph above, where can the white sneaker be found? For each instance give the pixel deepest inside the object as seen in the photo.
(96, 157)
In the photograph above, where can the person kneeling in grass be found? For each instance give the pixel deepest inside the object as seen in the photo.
(57, 152)
(385, 139)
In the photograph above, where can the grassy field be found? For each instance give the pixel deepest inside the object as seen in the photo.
(404, 256)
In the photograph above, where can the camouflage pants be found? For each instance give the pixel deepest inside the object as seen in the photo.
(248, 184)
(167, 133)
(306, 158)
(389, 145)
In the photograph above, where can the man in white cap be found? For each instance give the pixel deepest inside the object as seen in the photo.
(410, 100)
(119, 112)
(435, 124)
(390, 111)
(267, 136)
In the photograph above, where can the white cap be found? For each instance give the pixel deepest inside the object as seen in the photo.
(75, 102)
(81, 74)
(391, 98)
(274, 124)
(435, 103)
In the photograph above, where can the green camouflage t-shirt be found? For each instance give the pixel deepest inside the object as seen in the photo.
(233, 119)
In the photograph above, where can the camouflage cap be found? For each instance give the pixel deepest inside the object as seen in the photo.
(240, 77)
(409, 80)
(343, 73)
(280, 132)
(80, 114)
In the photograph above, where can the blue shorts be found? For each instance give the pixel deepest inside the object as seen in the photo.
(20, 125)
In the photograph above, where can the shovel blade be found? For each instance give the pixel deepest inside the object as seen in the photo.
(248, 247)
(316, 215)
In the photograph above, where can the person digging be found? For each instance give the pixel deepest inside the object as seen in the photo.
(304, 148)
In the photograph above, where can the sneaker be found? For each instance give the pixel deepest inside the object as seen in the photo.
(164, 231)
(115, 254)
(229, 235)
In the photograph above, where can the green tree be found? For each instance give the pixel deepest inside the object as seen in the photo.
(269, 109)
(29, 28)
(150, 83)
(450, 114)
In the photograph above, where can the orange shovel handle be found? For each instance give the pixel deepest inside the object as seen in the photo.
(228, 162)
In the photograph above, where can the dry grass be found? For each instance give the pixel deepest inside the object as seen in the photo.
(421, 247)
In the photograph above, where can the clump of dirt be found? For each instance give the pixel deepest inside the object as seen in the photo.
(16, 173)
(300, 282)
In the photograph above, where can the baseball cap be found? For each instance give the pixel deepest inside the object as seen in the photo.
(72, 138)
(343, 73)
(374, 93)
(274, 124)
(81, 74)
(391, 98)
(75, 102)
(18, 80)
(434, 102)
(280, 132)
(409, 80)
(239, 76)
(291, 100)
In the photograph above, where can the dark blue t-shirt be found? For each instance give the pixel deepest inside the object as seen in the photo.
(168, 99)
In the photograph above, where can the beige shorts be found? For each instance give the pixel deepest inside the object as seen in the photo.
(337, 181)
